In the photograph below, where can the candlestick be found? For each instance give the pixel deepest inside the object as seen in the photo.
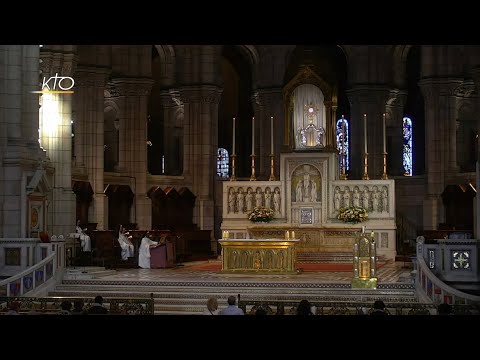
(271, 135)
(384, 134)
(253, 177)
(365, 131)
(253, 135)
(233, 146)
(272, 168)
(233, 177)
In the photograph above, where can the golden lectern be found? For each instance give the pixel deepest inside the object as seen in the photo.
(364, 261)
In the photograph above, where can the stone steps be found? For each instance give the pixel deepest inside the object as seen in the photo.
(314, 257)
(188, 300)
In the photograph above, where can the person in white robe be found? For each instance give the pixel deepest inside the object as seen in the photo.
(144, 251)
(84, 238)
(125, 244)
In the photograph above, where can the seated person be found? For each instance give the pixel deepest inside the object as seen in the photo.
(144, 251)
(84, 238)
(379, 308)
(125, 244)
(97, 307)
(232, 308)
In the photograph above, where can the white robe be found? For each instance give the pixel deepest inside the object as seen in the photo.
(84, 240)
(126, 245)
(144, 253)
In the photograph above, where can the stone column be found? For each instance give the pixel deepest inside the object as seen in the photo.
(268, 103)
(90, 92)
(172, 105)
(476, 79)
(20, 155)
(200, 144)
(56, 140)
(440, 145)
(133, 130)
(368, 100)
(394, 119)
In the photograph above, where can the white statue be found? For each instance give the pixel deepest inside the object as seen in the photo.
(365, 198)
(346, 197)
(385, 199)
(258, 198)
(375, 199)
(249, 199)
(84, 238)
(231, 201)
(356, 197)
(240, 200)
(276, 200)
(307, 186)
(337, 199)
(268, 199)
(314, 191)
(299, 192)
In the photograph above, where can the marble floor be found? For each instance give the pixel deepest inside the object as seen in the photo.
(398, 272)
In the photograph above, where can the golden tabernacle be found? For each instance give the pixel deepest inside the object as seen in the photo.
(258, 255)
(364, 261)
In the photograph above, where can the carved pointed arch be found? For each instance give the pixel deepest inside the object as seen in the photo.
(306, 75)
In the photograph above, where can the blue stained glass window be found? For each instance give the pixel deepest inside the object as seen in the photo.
(222, 163)
(344, 142)
(407, 147)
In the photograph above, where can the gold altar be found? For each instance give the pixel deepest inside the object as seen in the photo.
(259, 255)
(364, 261)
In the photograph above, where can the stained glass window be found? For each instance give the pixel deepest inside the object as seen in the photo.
(342, 144)
(222, 163)
(407, 147)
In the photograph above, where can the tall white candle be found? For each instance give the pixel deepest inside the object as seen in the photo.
(365, 131)
(233, 146)
(384, 134)
(271, 135)
(253, 135)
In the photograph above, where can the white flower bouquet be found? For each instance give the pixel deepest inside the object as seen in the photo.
(261, 214)
(353, 214)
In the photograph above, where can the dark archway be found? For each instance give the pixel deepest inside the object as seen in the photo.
(236, 102)
(458, 201)
(120, 199)
(84, 196)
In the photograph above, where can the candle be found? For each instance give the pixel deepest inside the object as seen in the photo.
(287, 235)
(365, 131)
(384, 135)
(363, 229)
(271, 135)
(293, 234)
(372, 234)
(233, 146)
(253, 135)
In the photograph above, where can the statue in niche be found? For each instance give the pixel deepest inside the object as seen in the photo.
(268, 198)
(259, 198)
(249, 199)
(346, 197)
(313, 197)
(356, 197)
(337, 199)
(375, 199)
(306, 189)
(240, 200)
(385, 199)
(231, 200)
(366, 198)
(299, 192)
(276, 200)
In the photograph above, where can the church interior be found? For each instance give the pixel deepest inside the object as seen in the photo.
(241, 163)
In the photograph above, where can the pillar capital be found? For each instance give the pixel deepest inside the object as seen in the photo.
(128, 87)
(209, 94)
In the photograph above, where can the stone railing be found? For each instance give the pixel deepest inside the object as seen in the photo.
(31, 279)
(431, 272)
(350, 308)
(51, 305)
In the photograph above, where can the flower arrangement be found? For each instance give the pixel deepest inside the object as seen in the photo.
(353, 214)
(261, 214)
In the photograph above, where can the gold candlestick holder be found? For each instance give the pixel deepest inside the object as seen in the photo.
(365, 168)
(384, 175)
(343, 175)
(252, 177)
(233, 177)
(272, 168)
